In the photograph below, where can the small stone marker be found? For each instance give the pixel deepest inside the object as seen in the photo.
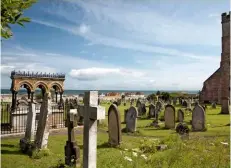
(30, 129)
(152, 111)
(114, 127)
(92, 112)
(198, 118)
(125, 114)
(180, 115)
(214, 105)
(45, 119)
(143, 109)
(169, 116)
(131, 119)
(174, 101)
(72, 151)
(184, 103)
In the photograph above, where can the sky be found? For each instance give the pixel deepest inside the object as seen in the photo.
(119, 44)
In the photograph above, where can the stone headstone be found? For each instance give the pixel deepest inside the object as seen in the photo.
(138, 103)
(30, 129)
(72, 151)
(143, 109)
(152, 111)
(114, 127)
(198, 118)
(125, 114)
(214, 105)
(174, 101)
(180, 115)
(169, 116)
(184, 103)
(131, 119)
(45, 119)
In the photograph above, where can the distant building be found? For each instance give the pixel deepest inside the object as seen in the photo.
(217, 86)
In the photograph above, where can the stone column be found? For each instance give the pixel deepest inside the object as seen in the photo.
(32, 97)
(225, 64)
(56, 97)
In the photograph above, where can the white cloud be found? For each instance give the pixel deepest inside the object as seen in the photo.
(99, 73)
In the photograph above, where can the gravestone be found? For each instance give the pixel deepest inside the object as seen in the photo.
(125, 114)
(214, 105)
(180, 115)
(30, 129)
(184, 103)
(114, 128)
(91, 112)
(45, 119)
(72, 151)
(158, 106)
(198, 118)
(169, 116)
(174, 101)
(143, 109)
(138, 103)
(152, 111)
(139, 107)
(131, 119)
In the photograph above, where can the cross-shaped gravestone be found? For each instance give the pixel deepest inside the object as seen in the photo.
(72, 151)
(91, 112)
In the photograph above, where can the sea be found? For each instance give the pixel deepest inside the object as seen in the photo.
(77, 92)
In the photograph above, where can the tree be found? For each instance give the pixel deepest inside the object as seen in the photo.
(165, 96)
(158, 93)
(12, 13)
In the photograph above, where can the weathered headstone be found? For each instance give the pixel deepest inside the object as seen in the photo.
(174, 101)
(184, 103)
(45, 119)
(214, 105)
(114, 127)
(198, 118)
(131, 119)
(125, 114)
(138, 103)
(72, 151)
(92, 112)
(143, 109)
(169, 116)
(30, 129)
(152, 111)
(180, 115)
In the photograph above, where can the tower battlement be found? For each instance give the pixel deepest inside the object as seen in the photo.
(225, 17)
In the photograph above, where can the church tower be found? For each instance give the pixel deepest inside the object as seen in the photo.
(225, 64)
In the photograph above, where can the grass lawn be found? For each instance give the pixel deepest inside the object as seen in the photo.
(203, 149)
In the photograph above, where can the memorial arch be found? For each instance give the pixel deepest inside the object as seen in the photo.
(31, 81)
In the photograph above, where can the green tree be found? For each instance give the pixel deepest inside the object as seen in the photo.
(12, 13)
(151, 97)
(158, 93)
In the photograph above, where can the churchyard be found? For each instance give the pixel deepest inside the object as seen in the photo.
(140, 142)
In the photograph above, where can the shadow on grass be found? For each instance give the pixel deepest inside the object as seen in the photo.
(15, 152)
(8, 145)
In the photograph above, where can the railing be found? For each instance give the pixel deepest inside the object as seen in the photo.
(15, 122)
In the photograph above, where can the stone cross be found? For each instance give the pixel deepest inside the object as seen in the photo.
(72, 151)
(45, 119)
(30, 128)
(91, 113)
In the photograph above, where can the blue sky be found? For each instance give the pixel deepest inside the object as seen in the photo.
(118, 44)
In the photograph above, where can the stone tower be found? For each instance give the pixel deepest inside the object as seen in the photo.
(225, 64)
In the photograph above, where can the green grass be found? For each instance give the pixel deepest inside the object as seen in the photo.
(203, 149)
